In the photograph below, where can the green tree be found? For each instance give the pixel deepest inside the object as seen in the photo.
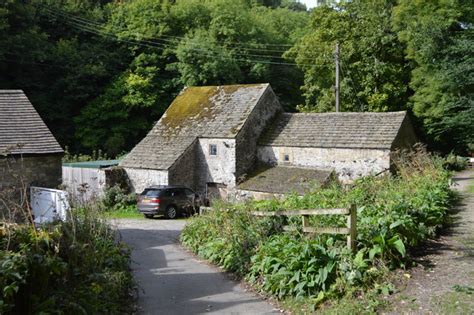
(440, 40)
(374, 74)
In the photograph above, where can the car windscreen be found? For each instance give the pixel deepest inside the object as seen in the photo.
(151, 192)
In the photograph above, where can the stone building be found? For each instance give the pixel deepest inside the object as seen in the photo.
(206, 139)
(352, 144)
(29, 153)
(223, 140)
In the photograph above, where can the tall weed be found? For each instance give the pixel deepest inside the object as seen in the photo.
(73, 267)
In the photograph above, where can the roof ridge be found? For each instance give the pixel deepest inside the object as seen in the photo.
(345, 113)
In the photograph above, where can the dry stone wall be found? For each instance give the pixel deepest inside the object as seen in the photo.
(142, 178)
(39, 170)
(348, 164)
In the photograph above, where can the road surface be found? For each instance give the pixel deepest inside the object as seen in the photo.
(173, 281)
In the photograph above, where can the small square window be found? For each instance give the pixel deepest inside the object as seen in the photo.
(212, 149)
(286, 158)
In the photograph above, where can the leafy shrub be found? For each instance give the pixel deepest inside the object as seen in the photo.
(117, 199)
(75, 267)
(229, 238)
(455, 162)
(287, 265)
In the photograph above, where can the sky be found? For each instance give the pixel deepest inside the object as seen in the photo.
(309, 3)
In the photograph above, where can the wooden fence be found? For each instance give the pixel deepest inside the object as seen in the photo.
(350, 230)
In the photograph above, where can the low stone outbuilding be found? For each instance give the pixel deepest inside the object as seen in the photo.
(29, 153)
(353, 144)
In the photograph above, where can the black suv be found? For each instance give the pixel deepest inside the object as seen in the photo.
(170, 201)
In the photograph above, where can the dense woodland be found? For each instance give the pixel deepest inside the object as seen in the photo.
(101, 72)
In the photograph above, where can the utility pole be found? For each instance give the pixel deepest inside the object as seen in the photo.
(336, 56)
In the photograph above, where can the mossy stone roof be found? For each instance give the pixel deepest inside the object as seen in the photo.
(286, 180)
(335, 130)
(22, 131)
(197, 112)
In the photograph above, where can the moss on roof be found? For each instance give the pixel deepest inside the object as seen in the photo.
(207, 112)
(285, 179)
(192, 103)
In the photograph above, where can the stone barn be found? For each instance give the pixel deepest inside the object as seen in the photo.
(231, 141)
(206, 139)
(29, 153)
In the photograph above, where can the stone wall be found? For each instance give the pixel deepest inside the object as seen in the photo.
(245, 195)
(215, 169)
(18, 172)
(348, 164)
(183, 171)
(142, 178)
(246, 140)
(38, 170)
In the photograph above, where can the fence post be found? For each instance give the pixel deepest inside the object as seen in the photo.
(305, 221)
(352, 226)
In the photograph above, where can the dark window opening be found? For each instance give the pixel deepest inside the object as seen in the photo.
(212, 149)
(286, 158)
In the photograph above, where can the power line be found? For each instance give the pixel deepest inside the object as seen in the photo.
(170, 38)
(152, 44)
(176, 39)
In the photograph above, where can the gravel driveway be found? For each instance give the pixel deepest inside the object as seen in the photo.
(174, 282)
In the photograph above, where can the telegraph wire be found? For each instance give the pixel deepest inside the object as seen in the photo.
(175, 39)
(153, 44)
(98, 24)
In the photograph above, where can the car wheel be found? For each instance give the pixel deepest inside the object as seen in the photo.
(171, 212)
(148, 216)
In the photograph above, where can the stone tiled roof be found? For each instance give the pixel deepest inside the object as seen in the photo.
(286, 180)
(22, 131)
(335, 130)
(207, 112)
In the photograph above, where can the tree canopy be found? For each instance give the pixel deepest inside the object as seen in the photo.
(100, 73)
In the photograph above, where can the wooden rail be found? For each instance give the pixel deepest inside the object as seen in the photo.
(350, 230)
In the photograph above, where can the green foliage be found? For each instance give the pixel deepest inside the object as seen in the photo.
(455, 162)
(95, 155)
(118, 202)
(73, 267)
(394, 214)
(374, 75)
(100, 73)
(294, 266)
(439, 40)
(230, 237)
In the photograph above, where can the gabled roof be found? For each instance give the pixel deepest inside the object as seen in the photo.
(335, 130)
(286, 180)
(197, 112)
(22, 131)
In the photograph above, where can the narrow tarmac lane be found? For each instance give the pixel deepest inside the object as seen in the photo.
(174, 282)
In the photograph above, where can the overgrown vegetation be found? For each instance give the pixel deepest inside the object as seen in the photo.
(119, 203)
(394, 213)
(72, 267)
